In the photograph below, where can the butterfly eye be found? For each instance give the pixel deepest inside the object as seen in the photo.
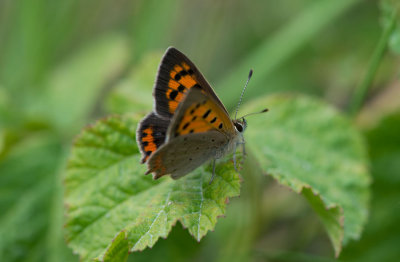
(238, 127)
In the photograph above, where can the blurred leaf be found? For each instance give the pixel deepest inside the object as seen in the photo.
(108, 196)
(25, 48)
(387, 8)
(26, 187)
(309, 147)
(381, 238)
(390, 8)
(275, 50)
(179, 246)
(153, 24)
(294, 257)
(74, 87)
(7, 116)
(382, 104)
(394, 42)
(133, 94)
(1, 140)
(365, 84)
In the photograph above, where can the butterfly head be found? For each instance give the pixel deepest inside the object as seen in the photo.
(240, 124)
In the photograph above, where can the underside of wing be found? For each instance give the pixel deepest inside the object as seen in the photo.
(183, 154)
(176, 76)
(151, 134)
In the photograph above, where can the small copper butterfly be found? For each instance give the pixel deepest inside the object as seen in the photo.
(189, 125)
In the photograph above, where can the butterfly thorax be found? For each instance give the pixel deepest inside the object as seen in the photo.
(237, 139)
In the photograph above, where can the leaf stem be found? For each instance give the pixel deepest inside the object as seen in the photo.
(362, 88)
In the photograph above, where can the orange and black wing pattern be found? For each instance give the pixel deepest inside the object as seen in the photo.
(151, 133)
(199, 113)
(176, 75)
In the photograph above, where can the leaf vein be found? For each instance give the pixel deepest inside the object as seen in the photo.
(155, 219)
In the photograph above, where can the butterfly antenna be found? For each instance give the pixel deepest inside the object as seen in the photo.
(244, 89)
(255, 113)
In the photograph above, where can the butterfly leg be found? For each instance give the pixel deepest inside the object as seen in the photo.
(243, 154)
(213, 174)
(234, 159)
(234, 154)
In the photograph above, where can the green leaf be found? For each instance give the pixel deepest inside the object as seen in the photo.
(381, 238)
(119, 250)
(109, 197)
(308, 146)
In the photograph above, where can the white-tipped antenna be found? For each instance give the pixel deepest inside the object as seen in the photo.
(244, 89)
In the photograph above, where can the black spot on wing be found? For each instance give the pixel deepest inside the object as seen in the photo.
(181, 88)
(206, 113)
(173, 95)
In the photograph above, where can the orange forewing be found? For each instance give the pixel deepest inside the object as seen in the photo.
(201, 117)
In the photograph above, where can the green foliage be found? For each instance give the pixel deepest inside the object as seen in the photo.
(132, 93)
(309, 147)
(65, 63)
(26, 202)
(81, 80)
(390, 9)
(282, 46)
(382, 233)
(110, 199)
(105, 181)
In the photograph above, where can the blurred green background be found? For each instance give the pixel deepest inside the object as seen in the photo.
(64, 64)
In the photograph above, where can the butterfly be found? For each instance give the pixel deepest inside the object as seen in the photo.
(189, 125)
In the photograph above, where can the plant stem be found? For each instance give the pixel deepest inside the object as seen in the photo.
(362, 88)
(279, 48)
